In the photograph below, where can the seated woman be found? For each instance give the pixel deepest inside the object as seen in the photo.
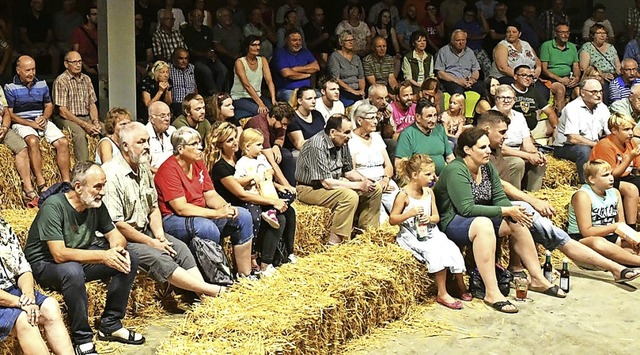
(108, 146)
(417, 65)
(22, 308)
(306, 122)
(346, 67)
(623, 154)
(488, 98)
(186, 197)
(475, 210)
(220, 108)
(430, 89)
(222, 146)
(249, 71)
(369, 155)
(599, 230)
(156, 87)
(602, 55)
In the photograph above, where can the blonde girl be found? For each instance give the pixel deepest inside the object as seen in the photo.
(453, 118)
(414, 209)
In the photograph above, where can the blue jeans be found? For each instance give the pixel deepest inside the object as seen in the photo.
(576, 153)
(246, 107)
(543, 230)
(69, 279)
(211, 77)
(185, 228)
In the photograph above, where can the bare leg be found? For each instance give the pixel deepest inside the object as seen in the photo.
(441, 284)
(462, 288)
(62, 158)
(29, 337)
(559, 91)
(186, 280)
(33, 147)
(630, 197)
(24, 169)
(54, 329)
(242, 255)
(581, 253)
(611, 251)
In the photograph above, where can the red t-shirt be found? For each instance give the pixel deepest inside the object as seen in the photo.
(171, 183)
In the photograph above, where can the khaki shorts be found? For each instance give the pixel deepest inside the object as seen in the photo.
(51, 132)
(13, 141)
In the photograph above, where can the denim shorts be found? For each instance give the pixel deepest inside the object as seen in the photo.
(458, 228)
(9, 315)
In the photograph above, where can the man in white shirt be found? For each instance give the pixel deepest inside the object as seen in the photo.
(160, 131)
(582, 123)
(330, 102)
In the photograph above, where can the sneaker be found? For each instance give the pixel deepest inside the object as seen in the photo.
(270, 217)
(292, 258)
(269, 271)
(89, 349)
(251, 277)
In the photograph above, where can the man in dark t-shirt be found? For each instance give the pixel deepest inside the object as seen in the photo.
(529, 101)
(63, 257)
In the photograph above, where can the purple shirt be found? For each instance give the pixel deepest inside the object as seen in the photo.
(283, 58)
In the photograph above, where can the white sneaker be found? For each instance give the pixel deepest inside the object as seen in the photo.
(269, 271)
(292, 258)
(270, 217)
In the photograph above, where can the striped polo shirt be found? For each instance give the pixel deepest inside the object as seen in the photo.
(27, 102)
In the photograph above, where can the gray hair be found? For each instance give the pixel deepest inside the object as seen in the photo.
(635, 89)
(79, 173)
(343, 35)
(629, 60)
(128, 131)
(181, 136)
(363, 110)
(456, 31)
(504, 88)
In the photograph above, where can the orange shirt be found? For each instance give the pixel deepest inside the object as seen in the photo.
(606, 150)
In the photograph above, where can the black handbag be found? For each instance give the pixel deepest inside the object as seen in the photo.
(212, 261)
(476, 285)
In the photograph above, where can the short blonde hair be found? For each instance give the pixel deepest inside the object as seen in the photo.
(593, 167)
(157, 66)
(248, 137)
(504, 88)
(619, 120)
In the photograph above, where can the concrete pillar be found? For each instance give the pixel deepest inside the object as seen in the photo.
(116, 52)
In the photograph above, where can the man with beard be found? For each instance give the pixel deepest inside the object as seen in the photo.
(193, 115)
(425, 136)
(292, 66)
(330, 104)
(159, 131)
(542, 229)
(379, 66)
(403, 110)
(63, 257)
(583, 122)
(132, 201)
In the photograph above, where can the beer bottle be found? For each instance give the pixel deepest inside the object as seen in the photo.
(564, 275)
(547, 268)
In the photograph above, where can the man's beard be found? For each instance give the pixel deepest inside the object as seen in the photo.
(90, 201)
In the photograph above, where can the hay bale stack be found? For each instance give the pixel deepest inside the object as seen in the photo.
(311, 307)
(49, 165)
(10, 182)
(559, 172)
(20, 221)
(312, 228)
(559, 197)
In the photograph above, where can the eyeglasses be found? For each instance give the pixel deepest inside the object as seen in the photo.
(162, 115)
(505, 98)
(528, 76)
(630, 69)
(370, 117)
(593, 92)
(74, 62)
(348, 40)
(196, 144)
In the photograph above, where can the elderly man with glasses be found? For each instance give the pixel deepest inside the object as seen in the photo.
(620, 87)
(159, 131)
(582, 123)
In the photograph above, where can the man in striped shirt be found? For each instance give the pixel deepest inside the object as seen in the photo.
(326, 177)
(30, 107)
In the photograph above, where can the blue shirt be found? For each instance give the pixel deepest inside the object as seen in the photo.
(473, 28)
(283, 58)
(619, 90)
(27, 102)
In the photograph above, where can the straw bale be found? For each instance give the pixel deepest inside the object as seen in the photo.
(20, 221)
(10, 182)
(559, 172)
(312, 228)
(49, 166)
(559, 197)
(310, 307)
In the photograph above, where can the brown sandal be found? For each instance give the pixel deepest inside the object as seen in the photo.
(30, 198)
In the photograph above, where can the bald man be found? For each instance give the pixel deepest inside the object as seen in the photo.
(75, 98)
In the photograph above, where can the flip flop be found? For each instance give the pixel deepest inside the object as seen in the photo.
(623, 275)
(453, 305)
(553, 291)
(501, 306)
(131, 339)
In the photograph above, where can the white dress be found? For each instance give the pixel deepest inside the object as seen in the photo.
(438, 251)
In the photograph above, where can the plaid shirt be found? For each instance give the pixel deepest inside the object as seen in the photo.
(320, 159)
(184, 82)
(164, 43)
(633, 20)
(74, 92)
(380, 68)
(548, 20)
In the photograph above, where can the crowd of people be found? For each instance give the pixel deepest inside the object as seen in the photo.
(420, 115)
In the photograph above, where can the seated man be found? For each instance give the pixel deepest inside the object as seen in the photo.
(582, 123)
(160, 132)
(193, 115)
(543, 230)
(18, 147)
(182, 74)
(403, 111)
(329, 103)
(560, 63)
(227, 38)
(620, 87)
(457, 67)
(132, 202)
(30, 108)
(74, 96)
(273, 126)
(630, 106)
(379, 67)
(292, 66)
(62, 255)
(165, 39)
(529, 101)
(326, 177)
(191, 207)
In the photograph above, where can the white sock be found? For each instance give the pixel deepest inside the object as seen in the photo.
(86, 346)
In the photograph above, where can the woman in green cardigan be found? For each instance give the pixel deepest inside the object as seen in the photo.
(475, 210)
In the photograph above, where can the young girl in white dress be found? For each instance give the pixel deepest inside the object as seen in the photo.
(415, 211)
